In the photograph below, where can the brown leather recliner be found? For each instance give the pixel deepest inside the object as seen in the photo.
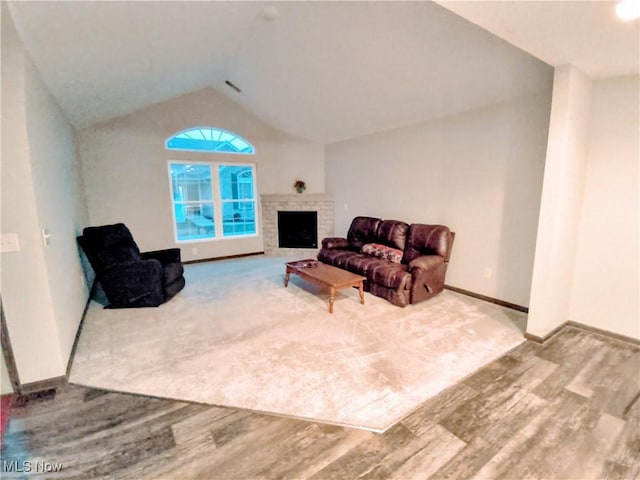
(403, 263)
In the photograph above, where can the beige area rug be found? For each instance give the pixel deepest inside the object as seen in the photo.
(236, 337)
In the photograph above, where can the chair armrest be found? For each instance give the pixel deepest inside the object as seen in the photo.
(169, 255)
(335, 242)
(133, 284)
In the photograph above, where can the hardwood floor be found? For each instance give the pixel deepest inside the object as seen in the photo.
(552, 411)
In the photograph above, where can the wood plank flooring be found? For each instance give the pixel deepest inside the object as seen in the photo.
(553, 411)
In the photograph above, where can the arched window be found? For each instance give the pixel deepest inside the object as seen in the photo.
(212, 199)
(207, 139)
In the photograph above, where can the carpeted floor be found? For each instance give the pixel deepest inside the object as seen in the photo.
(236, 337)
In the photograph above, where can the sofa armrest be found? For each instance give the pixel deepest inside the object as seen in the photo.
(170, 255)
(426, 262)
(335, 242)
(427, 277)
(133, 284)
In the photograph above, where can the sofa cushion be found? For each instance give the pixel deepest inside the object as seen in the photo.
(336, 257)
(382, 251)
(383, 272)
(362, 230)
(393, 233)
(391, 275)
(361, 263)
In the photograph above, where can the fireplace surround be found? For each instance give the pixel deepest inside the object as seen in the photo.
(274, 203)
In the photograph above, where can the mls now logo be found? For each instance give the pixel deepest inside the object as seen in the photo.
(15, 466)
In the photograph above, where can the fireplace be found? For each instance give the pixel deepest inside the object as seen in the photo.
(297, 229)
(297, 202)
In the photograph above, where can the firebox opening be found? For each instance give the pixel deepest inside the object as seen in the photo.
(298, 229)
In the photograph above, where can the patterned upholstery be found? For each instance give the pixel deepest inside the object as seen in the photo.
(384, 252)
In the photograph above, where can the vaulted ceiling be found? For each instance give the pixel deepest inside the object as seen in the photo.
(587, 34)
(325, 70)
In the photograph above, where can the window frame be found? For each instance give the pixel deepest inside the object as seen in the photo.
(245, 200)
(216, 201)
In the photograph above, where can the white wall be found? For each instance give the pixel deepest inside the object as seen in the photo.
(125, 167)
(42, 294)
(25, 292)
(478, 172)
(562, 192)
(606, 276)
(61, 206)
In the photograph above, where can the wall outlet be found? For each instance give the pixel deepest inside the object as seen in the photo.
(9, 242)
(488, 273)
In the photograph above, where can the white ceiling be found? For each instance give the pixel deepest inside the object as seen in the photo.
(587, 34)
(325, 71)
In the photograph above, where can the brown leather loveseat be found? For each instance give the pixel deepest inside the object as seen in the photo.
(403, 263)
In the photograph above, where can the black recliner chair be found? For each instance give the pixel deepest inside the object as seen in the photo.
(130, 278)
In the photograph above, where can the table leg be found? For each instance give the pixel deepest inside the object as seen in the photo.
(286, 278)
(332, 297)
(361, 292)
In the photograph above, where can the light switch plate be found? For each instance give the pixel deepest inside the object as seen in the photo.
(9, 243)
(46, 237)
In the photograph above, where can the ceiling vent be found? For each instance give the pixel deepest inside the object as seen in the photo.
(233, 86)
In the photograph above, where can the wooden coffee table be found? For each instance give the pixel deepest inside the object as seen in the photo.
(325, 275)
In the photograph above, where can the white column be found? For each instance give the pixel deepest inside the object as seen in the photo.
(562, 193)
